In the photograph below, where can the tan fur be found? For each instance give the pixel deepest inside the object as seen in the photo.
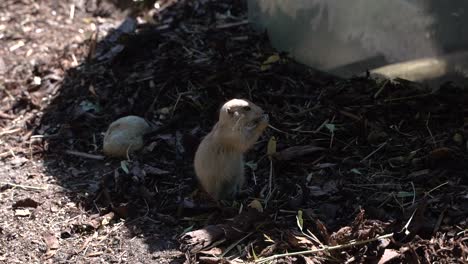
(219, 163)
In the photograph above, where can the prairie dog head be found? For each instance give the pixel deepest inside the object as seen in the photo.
(242, 122)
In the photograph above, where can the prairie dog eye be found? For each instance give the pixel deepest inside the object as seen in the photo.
(232, 112)
(246, 108)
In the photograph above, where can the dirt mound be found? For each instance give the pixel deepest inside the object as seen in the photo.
(361, 170)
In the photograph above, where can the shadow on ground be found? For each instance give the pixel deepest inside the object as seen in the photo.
(177, 73)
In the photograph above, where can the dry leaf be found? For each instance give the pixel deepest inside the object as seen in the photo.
(295, 152)
(256, 205)
(271, 149)
(212, 251)
(309, 260)
(107, 218)
(297, 241)
(52, 244)
(22, 212)
(389, 255)
(153, 170)
(270, 60)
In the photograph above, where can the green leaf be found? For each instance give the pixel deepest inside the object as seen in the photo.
(252, 165)
(267, 63)
(271, 149)
(330, 127)
(253, 254)
(187, 229)
(268, 239)
(300, 221)
(87, 106)
(124, 166)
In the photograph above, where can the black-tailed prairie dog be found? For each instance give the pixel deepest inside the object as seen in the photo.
(219, 161)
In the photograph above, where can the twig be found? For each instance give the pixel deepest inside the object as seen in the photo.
(270, 182)
(321, 126)
(6, 116)
(405, 228)
(235, 24)
(25, 187)
(84, 155)
(7, 154)
(234, 244)
(439, 220)
(326, 248)
(278, 130)
(407, 98)
(72, 12)
(11, 131)
(381, 88)
(176, 103)
(429, 130)
(375, 151)
(437, 187)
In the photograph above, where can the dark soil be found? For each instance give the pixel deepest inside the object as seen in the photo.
(377, 163)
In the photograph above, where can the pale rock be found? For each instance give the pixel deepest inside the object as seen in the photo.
(125, 134)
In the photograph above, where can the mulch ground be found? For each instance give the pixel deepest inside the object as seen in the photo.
(362, 170)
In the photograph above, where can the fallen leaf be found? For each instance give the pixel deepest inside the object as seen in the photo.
(296, 151)
(199, 239)
(86, 242)
(256, 205)
(213, 260)
(323, 231)
(254, 254)
(389, 255)
(271, 148)
(298, 241)
(270, 60)
(299, 220)
(331, 127)
(268, 239)
(107, 218)
(124, 166)
(309, 260)
(212, 251)
(251, 165)
(154, 171)
(88, 106)
(18, 161)
(52, 244)
(22, 212)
